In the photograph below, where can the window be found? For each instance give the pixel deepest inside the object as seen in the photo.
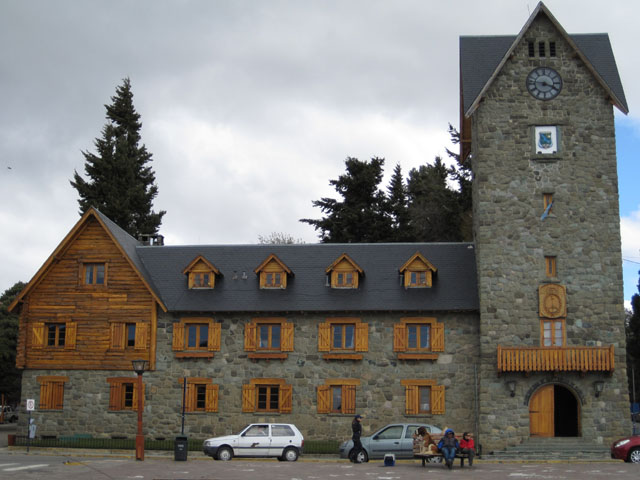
(129, 336)
(418, 272)
(337, 396)
(267, 395)
(268, 337)
(418, 338)
(550, 266)
(344, 272)
(547, 200)
(541, 49)
(273, 273)
(423, 396)
(201, 395)
(123, 393)
(54, 335)
(201, 273)
(553, 333)
(94, 273)
(196, 337)
(51, 392)
(532, 49)
(343, 336)
(552, 49)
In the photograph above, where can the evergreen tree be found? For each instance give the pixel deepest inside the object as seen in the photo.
(633, 346)
(434, 211)
(362, 215)
(121, 183)
(462, 174)
(11, 377)
(397, 198)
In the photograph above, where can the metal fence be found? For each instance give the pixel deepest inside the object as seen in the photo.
(311, 447)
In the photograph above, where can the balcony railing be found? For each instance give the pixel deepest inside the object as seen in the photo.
(552, 359)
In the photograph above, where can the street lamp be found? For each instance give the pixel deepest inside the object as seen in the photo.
(139, 366)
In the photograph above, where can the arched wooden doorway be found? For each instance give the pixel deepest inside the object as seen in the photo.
(554, 412)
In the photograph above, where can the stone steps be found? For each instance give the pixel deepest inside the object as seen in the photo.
(537, 449)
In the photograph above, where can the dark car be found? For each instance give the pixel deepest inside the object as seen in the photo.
(627, 449)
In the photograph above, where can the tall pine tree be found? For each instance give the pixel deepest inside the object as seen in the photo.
(121, 183)
(398, 209)
(361, 216)
(633, 347)
(10, 379)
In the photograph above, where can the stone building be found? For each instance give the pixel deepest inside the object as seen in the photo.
(519, 333)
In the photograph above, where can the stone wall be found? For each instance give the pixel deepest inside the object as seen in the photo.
(582, 232)
(380, 396)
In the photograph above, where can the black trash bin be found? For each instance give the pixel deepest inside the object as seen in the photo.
(181, 448)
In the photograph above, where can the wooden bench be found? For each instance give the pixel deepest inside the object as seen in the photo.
(428, 456)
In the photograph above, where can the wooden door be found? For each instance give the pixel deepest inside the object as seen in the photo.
(541, 411)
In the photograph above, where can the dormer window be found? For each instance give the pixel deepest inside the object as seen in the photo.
(418, 272)
(344, 272)
(201, 273)
(273, 273)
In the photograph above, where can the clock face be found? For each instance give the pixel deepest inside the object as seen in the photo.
(544, 83)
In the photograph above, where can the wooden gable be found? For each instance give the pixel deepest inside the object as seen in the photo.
(340, 270)
(418, 264)
(60, 296)
(272, 267)
(198, 270)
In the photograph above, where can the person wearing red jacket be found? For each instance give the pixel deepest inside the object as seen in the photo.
(468, 446)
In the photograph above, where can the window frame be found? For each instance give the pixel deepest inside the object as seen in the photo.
(252, 338)
(418, 272)
(340, 270)
(180, 338)
(57, 329)
(118, 394)
(120, 331)
(401, 338)
(40, 335)
(250, 392)
(413, 388)
(326, 338)
(556, 325)
(86, 264)
(200, 266)
(325, 396)
(211, 394)
(270, 266)
(551, 266)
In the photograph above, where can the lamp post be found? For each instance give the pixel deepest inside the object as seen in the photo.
(139, 366)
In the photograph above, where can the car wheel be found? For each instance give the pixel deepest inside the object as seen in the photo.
(362, 457)
(225, 454)
(634, 455)
(290, 455)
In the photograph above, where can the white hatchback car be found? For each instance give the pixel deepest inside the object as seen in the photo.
(281, 440)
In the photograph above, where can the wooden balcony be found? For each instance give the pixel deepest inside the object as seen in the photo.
(555, 359)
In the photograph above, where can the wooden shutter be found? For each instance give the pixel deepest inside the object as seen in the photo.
(348, 399)
(437, 337)
(400, 337)
(70, 336)
(286, 398)
(250, 337)
(191, 397)
(437, 399)
(178, 337)
(362, 337)
(45, 395)
(37, 335)
(115, 396)
(412, 400)
(135, 395)
(248, 398)
(57, 395)
(324, 399)
(142, 334)
(286, 342)
(117, 336)
(211, 402)
(324, 337)
(214, 337)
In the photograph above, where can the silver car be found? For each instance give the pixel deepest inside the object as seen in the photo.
(281, 440)
(396, 438)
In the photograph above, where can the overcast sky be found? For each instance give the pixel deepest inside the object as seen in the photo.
(250, 107)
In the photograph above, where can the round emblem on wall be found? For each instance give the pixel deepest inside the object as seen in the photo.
(544, 83)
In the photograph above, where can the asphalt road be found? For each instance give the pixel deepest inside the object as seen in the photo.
(18, 465)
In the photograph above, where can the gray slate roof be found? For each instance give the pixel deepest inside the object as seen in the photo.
(480, 55)
(380, 289)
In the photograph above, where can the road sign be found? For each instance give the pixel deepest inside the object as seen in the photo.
(31, 404)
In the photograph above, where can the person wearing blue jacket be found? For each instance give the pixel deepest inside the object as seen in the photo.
(448, 445)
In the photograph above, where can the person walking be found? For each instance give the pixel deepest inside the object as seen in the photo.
(467, 445)
(356, 428)
(449, 446)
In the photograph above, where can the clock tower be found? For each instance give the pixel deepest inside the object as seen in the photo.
(537, 125)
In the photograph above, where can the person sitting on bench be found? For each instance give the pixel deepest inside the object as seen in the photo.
(449, 446)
